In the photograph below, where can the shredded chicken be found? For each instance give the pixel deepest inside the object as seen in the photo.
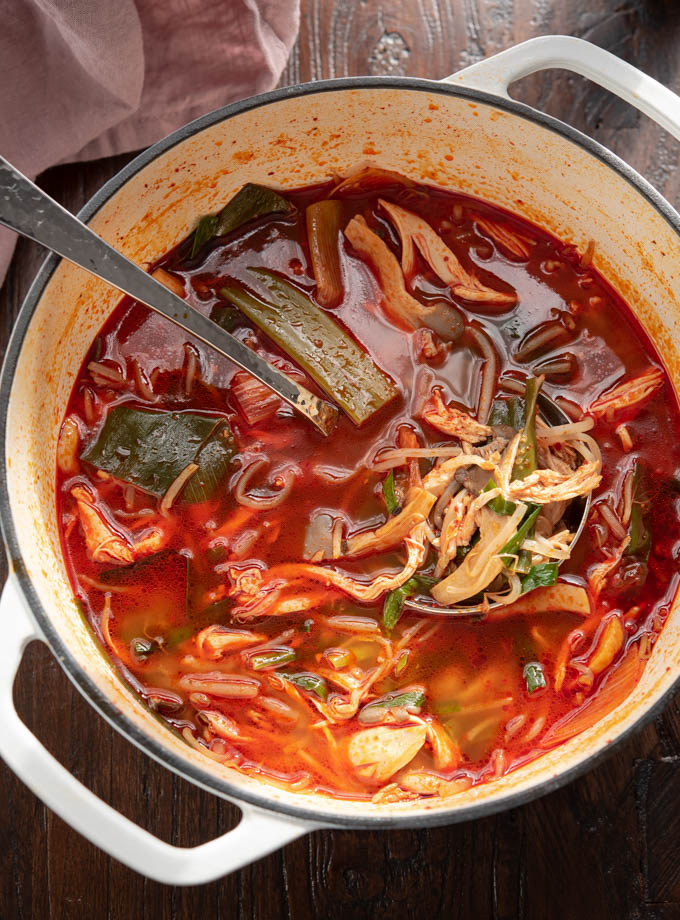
(396, 300)
(544, 486)
(437, 479)
(367, 176)
(415, 231)
(458, 526)
(628, 395)
(415, 512)
(104, 542)
(450, 420)
(415, 544)
(445, 751)
(512, 243)
(599, 575)
(482, 564)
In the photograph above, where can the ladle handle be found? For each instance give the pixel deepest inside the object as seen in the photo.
(258, 833)
(494, 74)
(28, 210)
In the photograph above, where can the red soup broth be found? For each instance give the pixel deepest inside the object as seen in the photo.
(148, 614)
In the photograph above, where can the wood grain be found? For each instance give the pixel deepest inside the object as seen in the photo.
(604, 846)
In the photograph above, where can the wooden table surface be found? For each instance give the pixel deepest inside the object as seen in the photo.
(604, 846)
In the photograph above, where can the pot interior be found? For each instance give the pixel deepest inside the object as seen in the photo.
(432, 133)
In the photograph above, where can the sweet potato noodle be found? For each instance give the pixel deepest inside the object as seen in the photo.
(251, 579)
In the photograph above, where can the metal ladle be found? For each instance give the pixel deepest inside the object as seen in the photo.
(577, 515)
(27, 210)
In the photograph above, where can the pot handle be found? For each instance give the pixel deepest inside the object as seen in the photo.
(258, 833)
(496, 73)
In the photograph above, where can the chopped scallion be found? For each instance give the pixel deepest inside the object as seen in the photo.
(534, 676)
(390, 495)
(312, 683)
(273, 658)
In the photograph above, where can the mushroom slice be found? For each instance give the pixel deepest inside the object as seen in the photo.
(104, 542)
(439, 477)
(378, 753)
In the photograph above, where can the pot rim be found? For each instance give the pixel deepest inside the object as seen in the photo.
(117, 717)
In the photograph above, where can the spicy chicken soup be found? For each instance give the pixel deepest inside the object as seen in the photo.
(252, 579)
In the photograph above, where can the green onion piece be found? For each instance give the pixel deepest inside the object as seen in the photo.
(272, 658)
(324, 219)
(499, 504)
(507, 412)
(392, 608)
(226, 317)
(523, 564)
(177, 635)
(151, 448)
(410, 700)
(423, 583)
(525, 459)
(512, 547)
(219, 612)
(305, 680)
(540, 576)
(462, 552)
(640, 537)
(394, 602)
(390, 495)
(250, 202)
(315, 341)
(534, 676)
(402, 661)
(307, 626)
(447, 709)
(205, 230)
(338, 658)
(142, 648)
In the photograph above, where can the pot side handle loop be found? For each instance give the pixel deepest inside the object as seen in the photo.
(566, 52)
(258, 833)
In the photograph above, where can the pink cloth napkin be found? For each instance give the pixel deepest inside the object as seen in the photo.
(89, 78)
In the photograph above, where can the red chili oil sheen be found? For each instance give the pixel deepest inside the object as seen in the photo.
(472, 671)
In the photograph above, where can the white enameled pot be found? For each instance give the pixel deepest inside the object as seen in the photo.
(463, 133)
